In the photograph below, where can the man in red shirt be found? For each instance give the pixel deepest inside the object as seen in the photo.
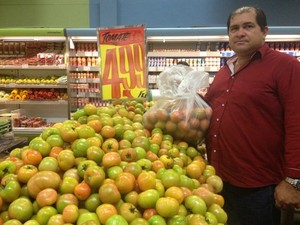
(254, 137)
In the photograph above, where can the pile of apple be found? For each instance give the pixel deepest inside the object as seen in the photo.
(182, 118)
(104, 167)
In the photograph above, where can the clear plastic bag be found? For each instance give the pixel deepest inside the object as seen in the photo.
(180, 111)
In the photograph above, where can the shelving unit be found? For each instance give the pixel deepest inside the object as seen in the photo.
(205, 49)
(83, 68)
(33, 75)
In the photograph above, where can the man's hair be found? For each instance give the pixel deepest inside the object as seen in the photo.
(183, 63)
(261, 18)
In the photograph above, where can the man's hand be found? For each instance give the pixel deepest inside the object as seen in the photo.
(202, 92)
(286, 196)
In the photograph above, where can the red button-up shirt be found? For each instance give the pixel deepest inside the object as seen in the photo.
(254, 135)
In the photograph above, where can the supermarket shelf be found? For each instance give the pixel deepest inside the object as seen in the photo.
(83, 54)
(34, 67)
(28, 130)
(201, 68)
(85, 68)
(29, 102)
(182, 54)
(86, 95)
(63, 86)
(84, 80)
(292, 53)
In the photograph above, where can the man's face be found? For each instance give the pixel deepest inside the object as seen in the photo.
(245, 35)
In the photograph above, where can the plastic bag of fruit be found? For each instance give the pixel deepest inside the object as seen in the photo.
(180, 111)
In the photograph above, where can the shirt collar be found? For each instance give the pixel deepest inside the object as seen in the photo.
(258, 54)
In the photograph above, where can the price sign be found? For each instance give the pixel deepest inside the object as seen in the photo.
(123, 62)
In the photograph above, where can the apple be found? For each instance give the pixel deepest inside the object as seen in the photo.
(150, 117)
(40, 145)
(204, 124)
(216, 182)
(94, 176)
(68, 133)
(105, 110)
(80, 146)
(55, 140)
(95, 124)
(48, 163)
(137, 118)
(205, 194)
(194, 123)
(79, 113)
(170, 127)
(73, 123)
(199, 113)
(68, 185)
(219, 212)
(49, 131)
(90, 109)
(83, 119)
(208, 171)
(117, 119)
(95, 153)
(95, 141)
(176, 116)
(195, 204)
(140, 152)
(141, 141)
(124, 144)
(162, 114)
(85, 131)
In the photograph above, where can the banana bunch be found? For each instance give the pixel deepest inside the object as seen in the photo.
(3, 95)
(62, 80)
(17, 94)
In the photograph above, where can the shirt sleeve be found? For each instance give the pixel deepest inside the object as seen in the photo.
(289, 93)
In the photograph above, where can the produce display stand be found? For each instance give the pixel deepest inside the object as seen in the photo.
(8, 141)
(7, 144)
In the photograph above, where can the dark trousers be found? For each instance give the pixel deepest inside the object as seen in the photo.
(250, 206)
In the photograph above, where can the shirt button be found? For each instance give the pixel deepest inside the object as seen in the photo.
(227, 90)
(215, 135)
(214, 150)
(223, 105)
(218, 119)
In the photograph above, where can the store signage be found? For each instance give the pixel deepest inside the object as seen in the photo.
(122, 62)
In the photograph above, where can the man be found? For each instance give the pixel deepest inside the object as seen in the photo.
(254, 136)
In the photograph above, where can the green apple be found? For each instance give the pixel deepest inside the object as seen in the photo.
(216, 182)
(211, 219)
(39, 144)
(55, 140)
(49, 131)
(80, 147)
(219, 212)
(195, 204)
(85, 131)
(68, 133)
